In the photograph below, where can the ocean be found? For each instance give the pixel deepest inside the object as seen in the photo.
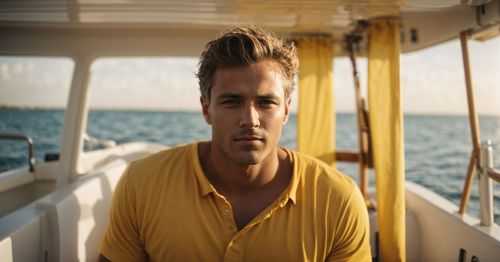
(437, 148)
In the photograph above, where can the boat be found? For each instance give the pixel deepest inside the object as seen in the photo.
(57, 210)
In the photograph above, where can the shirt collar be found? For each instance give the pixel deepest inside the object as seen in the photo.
(206, 187)
(291, 190)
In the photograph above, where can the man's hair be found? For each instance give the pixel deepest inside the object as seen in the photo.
(245, 45)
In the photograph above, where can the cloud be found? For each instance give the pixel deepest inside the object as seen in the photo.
(34, 81)
(432, 81)
(159, 83)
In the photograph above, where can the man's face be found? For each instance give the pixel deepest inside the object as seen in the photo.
(247, 111)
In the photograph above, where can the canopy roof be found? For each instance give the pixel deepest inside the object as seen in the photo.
(423, 22)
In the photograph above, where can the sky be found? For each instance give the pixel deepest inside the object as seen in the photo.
(432, 81)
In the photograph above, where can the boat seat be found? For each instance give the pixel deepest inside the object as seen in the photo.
(14, 178)
(20, 235)
(77, 215)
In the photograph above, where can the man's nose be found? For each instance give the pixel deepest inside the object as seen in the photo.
(250, 117)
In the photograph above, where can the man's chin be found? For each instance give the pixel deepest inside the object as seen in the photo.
(247, 159)
(247, 162)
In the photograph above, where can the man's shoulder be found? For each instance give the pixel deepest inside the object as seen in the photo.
(163, 160)
(322, 175)
(310, 161)
(172, 152)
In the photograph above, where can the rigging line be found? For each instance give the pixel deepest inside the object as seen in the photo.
(363, 129)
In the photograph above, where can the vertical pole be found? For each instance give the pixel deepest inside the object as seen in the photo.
(468, 182)
(75, 123)
(362, 123)
(474, 126)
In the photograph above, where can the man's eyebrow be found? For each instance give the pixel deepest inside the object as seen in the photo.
(228, 95)
(232, 96)
(268, 96)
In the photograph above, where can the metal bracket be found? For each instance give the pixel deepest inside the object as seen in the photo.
(31, 147)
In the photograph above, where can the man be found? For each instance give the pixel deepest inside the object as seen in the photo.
(238, 197)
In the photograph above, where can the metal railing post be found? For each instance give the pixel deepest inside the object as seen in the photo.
(31, 147)
(485, 184)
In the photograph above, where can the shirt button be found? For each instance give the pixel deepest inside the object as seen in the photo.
(227, 212)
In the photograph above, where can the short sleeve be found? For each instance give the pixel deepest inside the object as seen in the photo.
(352, 237)
(121, 241)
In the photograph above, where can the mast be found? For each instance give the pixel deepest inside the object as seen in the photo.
(474, 125)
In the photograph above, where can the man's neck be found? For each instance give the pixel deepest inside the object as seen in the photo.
(232, 179)
(249, 189)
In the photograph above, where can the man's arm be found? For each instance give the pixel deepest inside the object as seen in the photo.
(121, 241)
(353, 232)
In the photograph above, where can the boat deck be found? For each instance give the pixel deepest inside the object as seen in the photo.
(24, 195)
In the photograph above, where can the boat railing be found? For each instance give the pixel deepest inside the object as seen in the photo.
(31, 147)
(486, 173)
(93, 142)
(481, 159)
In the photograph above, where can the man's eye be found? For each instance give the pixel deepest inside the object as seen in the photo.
(267, 102)
(230, 102)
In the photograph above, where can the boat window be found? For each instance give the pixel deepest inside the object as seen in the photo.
(145, 99)
(437, 130)
(33, 95)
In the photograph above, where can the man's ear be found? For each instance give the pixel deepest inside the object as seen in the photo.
(288, 101)
(205, 109)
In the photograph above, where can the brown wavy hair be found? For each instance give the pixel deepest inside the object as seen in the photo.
(245, 45)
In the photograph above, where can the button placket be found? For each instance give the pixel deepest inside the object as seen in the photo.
(233, 251)
(228, 227)
(229, 224)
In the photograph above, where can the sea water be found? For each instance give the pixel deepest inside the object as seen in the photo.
(437, 148)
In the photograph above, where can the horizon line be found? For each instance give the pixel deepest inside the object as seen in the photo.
(183, 110)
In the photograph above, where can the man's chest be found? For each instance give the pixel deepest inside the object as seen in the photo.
(206, 230)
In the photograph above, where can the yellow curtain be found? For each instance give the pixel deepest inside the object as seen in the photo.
(386, 123)
(316, 118)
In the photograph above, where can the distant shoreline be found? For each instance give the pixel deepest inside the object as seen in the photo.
(30, 107)
(15, 107)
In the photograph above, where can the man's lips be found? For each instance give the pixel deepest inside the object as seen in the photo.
(248, 138)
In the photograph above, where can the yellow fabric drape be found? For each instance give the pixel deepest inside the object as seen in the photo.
(316, 118)
(386, 122)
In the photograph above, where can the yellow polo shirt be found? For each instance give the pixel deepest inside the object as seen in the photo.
(165, 209)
